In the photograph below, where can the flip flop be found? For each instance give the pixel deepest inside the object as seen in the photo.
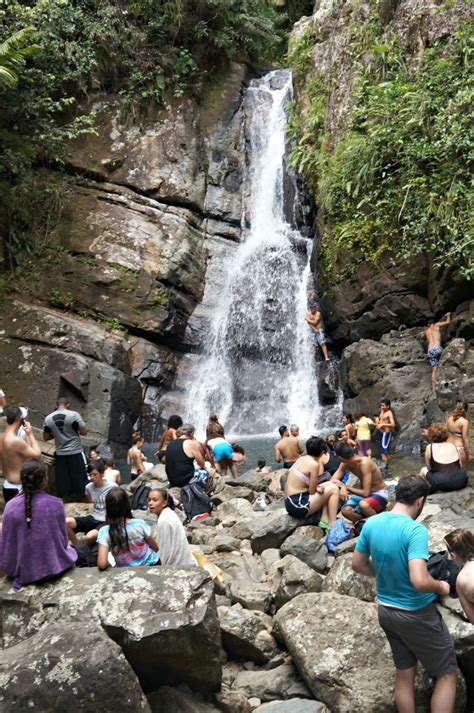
(324, 525)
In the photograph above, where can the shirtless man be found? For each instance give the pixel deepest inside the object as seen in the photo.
(315, 321)
(14, 451)
(372, 497)
(432, 334)
(288, 447)
(385, 423)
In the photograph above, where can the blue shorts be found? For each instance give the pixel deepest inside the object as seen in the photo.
(297, 505)
(385, 444)
(433, 355)
(222, 450)
(376, 501)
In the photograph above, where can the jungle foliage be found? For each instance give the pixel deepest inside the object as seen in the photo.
(398, 181)
(57, 53)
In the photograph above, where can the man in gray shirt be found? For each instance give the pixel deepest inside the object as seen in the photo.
(67, 427)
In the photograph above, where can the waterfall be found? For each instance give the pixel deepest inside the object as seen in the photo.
(257, 369)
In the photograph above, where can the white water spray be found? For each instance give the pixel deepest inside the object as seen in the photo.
(258, 370)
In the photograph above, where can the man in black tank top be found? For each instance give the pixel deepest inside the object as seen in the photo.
(180, 457)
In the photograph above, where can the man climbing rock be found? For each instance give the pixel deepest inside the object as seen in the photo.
(315, 320)
(432, 334)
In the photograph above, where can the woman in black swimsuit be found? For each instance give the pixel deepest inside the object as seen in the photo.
(174, 422)
(443, 469)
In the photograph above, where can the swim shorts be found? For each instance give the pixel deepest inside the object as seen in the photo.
(320, 338)
(419, 635)
(364, 447)
(434, 355)
(377, 501)
(86, 523)
(385, 444)
(222, 450)
(297, 505)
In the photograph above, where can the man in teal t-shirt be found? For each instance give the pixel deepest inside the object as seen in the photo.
(394, 548)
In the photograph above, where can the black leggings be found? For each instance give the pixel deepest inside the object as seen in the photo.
(446, 482)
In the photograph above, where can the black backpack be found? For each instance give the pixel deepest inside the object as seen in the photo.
(195, 501)
(140, 497)
(441, 567)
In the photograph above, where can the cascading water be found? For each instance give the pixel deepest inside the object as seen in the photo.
(258, 369)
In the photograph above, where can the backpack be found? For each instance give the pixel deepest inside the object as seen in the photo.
(441, 567)
(195, 501)
(339, 532)
(140, 497)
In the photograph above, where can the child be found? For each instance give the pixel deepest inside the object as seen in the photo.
(128, 539)
(262, 466)
(136, 459)
(96, 492)
(363, 438)
(344, 436)
(111, 474)
(238, 454)
(170, 533)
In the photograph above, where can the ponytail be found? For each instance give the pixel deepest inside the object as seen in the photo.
(166, 495)
(32, 474)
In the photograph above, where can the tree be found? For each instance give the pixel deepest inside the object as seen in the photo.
(14, 52)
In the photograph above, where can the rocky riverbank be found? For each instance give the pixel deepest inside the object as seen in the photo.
(285, 628)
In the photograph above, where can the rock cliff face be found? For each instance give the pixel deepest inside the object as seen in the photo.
(374, 309)
(147, 211)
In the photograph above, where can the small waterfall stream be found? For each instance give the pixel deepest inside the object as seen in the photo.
(257, 369)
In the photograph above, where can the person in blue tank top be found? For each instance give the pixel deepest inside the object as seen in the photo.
(394, 548)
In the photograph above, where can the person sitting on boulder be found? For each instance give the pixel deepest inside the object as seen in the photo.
(33, 540)
(111, 474)
(171, 434)
(128, 539)
(173, 547)
(460, 544)
(136, 459)
(372, 496)
(304, 496)
(443, 467)
(181, 455)
(96, 492)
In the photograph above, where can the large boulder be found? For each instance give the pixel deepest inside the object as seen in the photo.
(344, 580)
(310, 551)
(334, 638)
(251, 595)
(45, 352)
(164, 618)
(247, 634)
(66, 667)
(270, 529)
(294, 705)
(289, 577)
(277, 683)
(178, 700)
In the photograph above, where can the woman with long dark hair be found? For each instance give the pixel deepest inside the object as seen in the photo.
(458, 430)
(33, 542)
(128, 539)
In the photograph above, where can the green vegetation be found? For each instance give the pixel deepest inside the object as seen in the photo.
(398, 182)
(57, 53)
(63, 300)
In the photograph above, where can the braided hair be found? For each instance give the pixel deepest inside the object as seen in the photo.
(118, 509)
(32, 474)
